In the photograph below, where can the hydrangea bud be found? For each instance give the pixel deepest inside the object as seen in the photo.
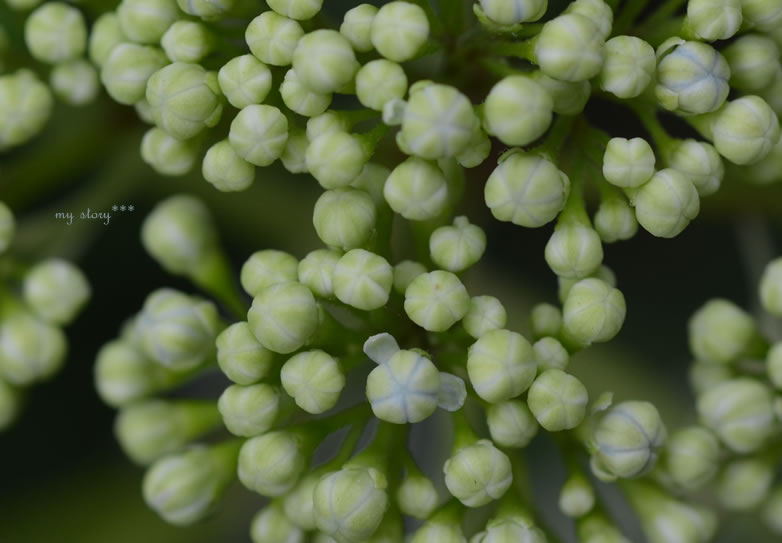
(597, 11)
(149, 430)
(145, 21)
(629, 67)
(692, 456)
(477, 150)
(505, 529)
(301, 99)
(416, 496)
(435, 301)
(526, 190)
(545, 320)
(271, 525)
(568, 97)
(30, 349)
(293, 157)
(558, 400)
(357, 26)
(55, 32)
(721, 332)
(628, 438)
(485, 313)
(771, 287)
(344, 218)
(574, 250)
(703, 376)
(576, 498)
(692, 77)
(283, 317)
(713, 20)
(298, 503)
(445, 529)
(363, 279)
(272, 463)
(127, 70)
(324, 61)
(774, 365)
(10, 404)
(665, 520)
(328, 122)
(404, 274)
(404, 389)
(615, 220)
(335, 159)
(550, 354)
(517, 110)
(399, 30)
(25, 106)
(144, 112)
(746, 130)
(314, 380)
(56, 290)
(628, 163)
(185, 487)
(753, 61)
(75, 82)
(372, 180)
(594, 311)
(667, 203)
(772, 511)
(478, 474)
(379, 81)
(7, 227)
(225, 169)
(240, 356)
(273, 38)
(249, 410)
(511, 424)
(570, 47)
(417, 190)
(744, 483)
(456, 248)
(296, 9)
(245, 80)
(700, 163)
(316, 271)
(187, 41)
(258, 134)
(501, 365)
(168, 155)
(766, 171)
(510, 12)
(765, 15)
(105, 35)
(350, 503)
(740, 412)
(594, 528)
(266, 268)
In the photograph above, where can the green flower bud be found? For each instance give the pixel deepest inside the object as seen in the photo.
(350, 503)
(705, 375)
(721, 332)
(55, 32)
(266, 268)
(225, 169)
(477, 150)
(753, 61)
(179, 234)
(517, 110)
(176, 330)
(665, 520)
(597, 11)
(771, 287)
(271, 525)
(746, 130)
(570, 47)
(272, 463)
(399, 30)
(692, 457)
(692, 77)
(301, 99)
(344, 218)
(371, 180)
(568, 97)
(168, 155)
(404, 389)
(526, 190)
(745, 483)
(766, 171)
(456, 248)
(296, 9)
(128, 68)
(550, 354)
(56, 290)
(184, 488)
(713, 20)
(486, 313)
(25, 106)
(593, 312)
(666, 204)
(314, 379)
(10, 404)
(435, 301)
(576, 498)
(7, 227)
(628, 163)
(30, 349)
(208, 10)
(187, 41)
(404, 274)
(357, 26)
(478, 474)
(363, 279)
(510, 12)
(501, 365)
(765, 15)
(416, 496)
(442, 530)
(700, 163)
(244, 81)
(603, 273)
(628, 438)
(327, 122)
(283, 317)
(507, 529)
(379, 81)
(417, 190)
(772, 511)
(149, 430)
(22, 5)
(273, 38)
(574, 250)
(144, 111)
(774, 365)
(511, 424)
(615, 220)
(105, 35)
(293, 157)
(258, 134)
(145, 21)
(335, 159)
(740, 412)
(324, 61)
(316, 271)
(75, 82)
(546, 320)
(558, 400)
(249, 410)
(594, 528)
(629, 67)
(240, 356)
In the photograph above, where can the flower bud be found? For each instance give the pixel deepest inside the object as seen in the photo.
(249, 410)
(371, 180)
(665, 520)
(740, 412)
(55, 32)
(509, 529)
(335, 159)
(629, 67)
(593, 311)
(692, 456)
(127, 69)
(149, 430)
(594, 528)
(10, 404)
(766, 171)
(298, 503)
(301, 99)
(316, 271)
(187, 41)
(105, 35)
(477, 150)
(75, 82)
(478, 474)
(615, 220)
(435, 301)
(272, 463)
(344, 218)
(545, 320)
(753, 61)
(225, 169)
(558, 400)
(576, 498)
(404, 389)
(574, 250)
(273, 38)
(324, 61)
(56, 290)
(721, 332)
(145, 21)
(568, 97)
(379, 81)
(362, 279)
(666, 204)
(628, 163)
(510, 12)
(208, 10)
(417, 190)
(7, 227)
(526, 190)
(266, 268)
(745, 483)
(501, 365)
(328, 122)
(511, 424)
(296, 9)
(570, 47)
(399, 30)
(240, 356)
(692, 77)
(774, 365)
(456, 248)
(271, 525)
(30, 349)
(772, 511)
(597, 11)
(441, 529)
(700, 163)
(713, 20)
(25, 106)
(258, 134)
(517, 110)
(765, 15)
(404, 274)
(168, 155)
(486, 313)
(314, 379)
(705, 375)
(416, 496)
(771, 288)
(185, 487)
(244, 80)
(283, 317)
(357, 26)
(550, 354)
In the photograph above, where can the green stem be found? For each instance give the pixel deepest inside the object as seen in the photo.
(630, 12)
(556, 138)
(662, 140)
(518, 49)
(666, 10)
